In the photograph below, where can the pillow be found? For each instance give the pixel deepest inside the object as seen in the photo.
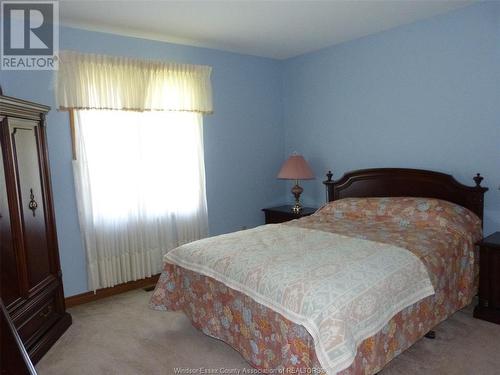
(420, 212)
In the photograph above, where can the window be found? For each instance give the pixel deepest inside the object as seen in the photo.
(147, 161)
(138, 159)
(140, 181)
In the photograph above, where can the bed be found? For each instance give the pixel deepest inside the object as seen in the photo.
(390, 256)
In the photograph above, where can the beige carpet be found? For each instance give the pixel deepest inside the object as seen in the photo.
(121, 335)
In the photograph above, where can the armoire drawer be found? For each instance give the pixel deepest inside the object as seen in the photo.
(38, 319)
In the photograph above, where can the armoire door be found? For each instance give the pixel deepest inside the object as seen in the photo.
(28, 165)
(10, 286)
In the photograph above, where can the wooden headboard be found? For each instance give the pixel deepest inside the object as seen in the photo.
(402, 182)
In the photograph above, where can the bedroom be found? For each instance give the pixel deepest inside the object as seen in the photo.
(350, 86)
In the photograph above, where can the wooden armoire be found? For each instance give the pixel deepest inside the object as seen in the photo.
(31, 278)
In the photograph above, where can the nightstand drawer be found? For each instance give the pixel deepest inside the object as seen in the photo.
(277, 217)
(281, 214)
(494, 273)
(488, 307)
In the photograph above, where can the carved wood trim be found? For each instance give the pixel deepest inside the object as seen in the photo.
(10, 106)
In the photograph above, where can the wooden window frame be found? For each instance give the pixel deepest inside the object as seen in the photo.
(73, 132)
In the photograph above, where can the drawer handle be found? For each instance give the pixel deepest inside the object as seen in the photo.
(46, 314)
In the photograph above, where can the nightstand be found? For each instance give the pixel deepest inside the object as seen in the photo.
(284, 213)
(488, 307)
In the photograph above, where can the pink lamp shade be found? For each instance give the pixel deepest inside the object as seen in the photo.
(296, 168)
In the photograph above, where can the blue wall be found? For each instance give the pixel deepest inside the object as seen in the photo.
(425, 95)
(243, 139)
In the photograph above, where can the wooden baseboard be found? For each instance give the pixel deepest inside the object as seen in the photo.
(107, 292)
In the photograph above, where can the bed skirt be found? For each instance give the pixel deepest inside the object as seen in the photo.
(274, 344)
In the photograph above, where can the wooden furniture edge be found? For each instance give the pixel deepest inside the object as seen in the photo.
(14, 356)
(87, 297)
(43, 346)
(486, 314)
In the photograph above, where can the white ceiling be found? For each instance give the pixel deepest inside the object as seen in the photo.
(276, 29)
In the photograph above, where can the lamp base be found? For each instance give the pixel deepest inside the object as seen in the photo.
(296, 191)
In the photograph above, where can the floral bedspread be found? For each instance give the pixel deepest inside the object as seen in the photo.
(441, 234)
(341, 289)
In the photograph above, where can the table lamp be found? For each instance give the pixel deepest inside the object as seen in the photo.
(296, 168)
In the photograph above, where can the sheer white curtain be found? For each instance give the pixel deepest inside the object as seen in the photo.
(140, 184)
(139, 170)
